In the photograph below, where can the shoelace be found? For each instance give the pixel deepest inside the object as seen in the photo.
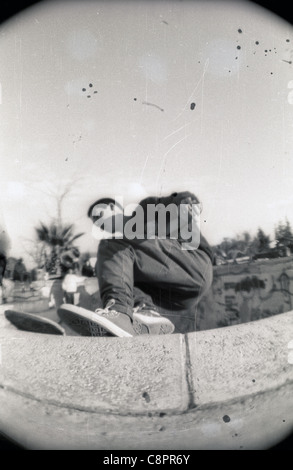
(140, 307)
(106, 310)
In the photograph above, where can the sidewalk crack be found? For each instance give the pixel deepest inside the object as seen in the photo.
(188, 375)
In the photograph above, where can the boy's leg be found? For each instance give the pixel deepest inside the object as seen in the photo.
(142, 298)
(114, 269)
(69, 296)
(121, 300)
(176, 278)
(131, 271)
(184, 274)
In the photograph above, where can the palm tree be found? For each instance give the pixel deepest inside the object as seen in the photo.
(58, 238)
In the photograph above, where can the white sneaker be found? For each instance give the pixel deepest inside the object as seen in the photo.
(148, 321)
(116, 323)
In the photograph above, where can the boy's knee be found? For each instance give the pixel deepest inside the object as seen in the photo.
(116, 251)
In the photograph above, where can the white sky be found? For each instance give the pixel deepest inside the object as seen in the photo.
(234, 149)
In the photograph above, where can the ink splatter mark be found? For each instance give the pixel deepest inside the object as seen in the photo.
(152, 104)
(90, 85)
(287, 40)
(162, 414)
(135, 99)
(226, 419)
(284, 421)
(239, 30)
(146, 396)
(288, 61)
(192, 106)
(162, 428)
(238, 47)
(253, 380)
(257, 43)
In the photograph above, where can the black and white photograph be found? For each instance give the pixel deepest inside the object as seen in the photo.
(146, 228)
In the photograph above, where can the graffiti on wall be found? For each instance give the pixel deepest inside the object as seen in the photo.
(248, 292)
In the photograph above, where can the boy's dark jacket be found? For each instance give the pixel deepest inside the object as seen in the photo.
(177, 198)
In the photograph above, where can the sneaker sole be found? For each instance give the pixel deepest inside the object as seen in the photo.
(33, 323)
(83, 320)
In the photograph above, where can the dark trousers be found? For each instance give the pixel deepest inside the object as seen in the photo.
(69, 297)
(157, 273)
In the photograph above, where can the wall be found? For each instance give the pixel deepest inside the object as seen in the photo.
(239, 294)
(247, 292)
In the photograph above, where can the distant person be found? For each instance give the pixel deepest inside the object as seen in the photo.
(10, 268)
(87, 269)
(56, 296)
(5, 245)
(138, 277)
(70, 285)
(3, 262)
(19, 271)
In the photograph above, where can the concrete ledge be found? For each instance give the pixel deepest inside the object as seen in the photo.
(240, 360)
(226, 388)
(109, 375)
